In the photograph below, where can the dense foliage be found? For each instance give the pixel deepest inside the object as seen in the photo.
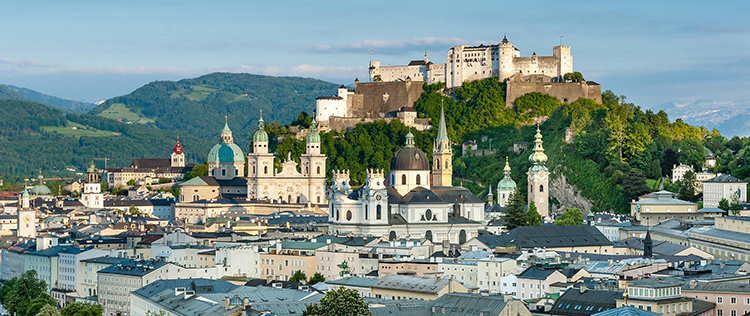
(198, 106)
(570, 217)
(25, 295)
(341, 301)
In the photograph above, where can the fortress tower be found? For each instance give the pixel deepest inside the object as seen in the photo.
(538, 177)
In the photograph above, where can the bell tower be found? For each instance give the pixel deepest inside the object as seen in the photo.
(177, 156)
(26, 220)
(538, 177)
(442, 154)
(314, 166)
(92, 196)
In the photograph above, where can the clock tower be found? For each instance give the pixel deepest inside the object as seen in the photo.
(26, 218)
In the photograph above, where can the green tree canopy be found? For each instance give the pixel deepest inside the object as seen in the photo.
(724, 204)
(298, 276)
(339, 302)
(532, 217)
(687, 187)
(635, 185)
(38, 303)
(17, 294)
(82, 309)
(573, 76)
(515, 211)
(317, 278)
(570, 217)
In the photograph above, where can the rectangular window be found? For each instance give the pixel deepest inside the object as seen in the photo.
(719, 300)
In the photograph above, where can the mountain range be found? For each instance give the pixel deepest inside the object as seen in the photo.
(24, 94)
(730, 118)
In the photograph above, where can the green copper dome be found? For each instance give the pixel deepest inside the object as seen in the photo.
(226, 152)
(25, 193)
(313, 136)
(506, 183)
(538, 158)
(261, 135)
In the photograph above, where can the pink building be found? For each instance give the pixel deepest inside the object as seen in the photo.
(731, 299)
(535, 282)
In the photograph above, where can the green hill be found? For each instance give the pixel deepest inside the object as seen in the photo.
(68, 105)
(7, 93)
(33, 136)
(197, 106)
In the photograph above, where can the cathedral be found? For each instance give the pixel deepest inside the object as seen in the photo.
(411, 201)
(294, 184)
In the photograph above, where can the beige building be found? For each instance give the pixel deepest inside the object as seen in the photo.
(723, 186)
(659, 295)
(287, 258)
(396, 287)
(419, 268)
(729, 239)
(491, 271)
(664, 206)
(150, 170)
(534, 283)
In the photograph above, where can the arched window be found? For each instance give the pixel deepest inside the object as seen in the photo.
(378, 212)
(462, 237)
(392, 236)
(349, 215)
(265, 169)
(447, 164)
(318, 169)
(213, 172)
(236, 172)
(437, 163)
(367, 212)
(428, 235)
(541, 188)
(337, 214)
(419, 180)
(403, 179)
(253, 169)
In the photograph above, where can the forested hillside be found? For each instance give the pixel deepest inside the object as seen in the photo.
(34, 136)
(197, 106)
(69, 105)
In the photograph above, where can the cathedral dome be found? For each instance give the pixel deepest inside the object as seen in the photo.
(226, 152)
(40, 188)
(506, 184)
(260, 134)
(410, 157)
(313, 136)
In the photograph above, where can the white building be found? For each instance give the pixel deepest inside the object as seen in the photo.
(117, 281)
(679, 171)
(92, 196)
(334, 105)
(490, 270)
(396, 204)
(238, 261)
(464, 271)
(70, 268)
(723, 186)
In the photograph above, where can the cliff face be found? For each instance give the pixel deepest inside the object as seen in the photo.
(567, 194)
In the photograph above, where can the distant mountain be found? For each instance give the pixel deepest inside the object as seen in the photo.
(7, 93)
(34, 136)
(65, 104)
(729, 118)
(198, 106)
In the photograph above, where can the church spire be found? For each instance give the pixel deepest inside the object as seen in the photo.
(506, 170)
(226, 133)
(260, 134)
(442, 142)
(538, 158)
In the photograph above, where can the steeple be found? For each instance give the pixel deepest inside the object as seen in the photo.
(442, 143)
(538, 158)
(313, 136)
(648, 246)
(177, 149)
(425, 55)
(409, 140)
(506, 170)
(260, 134)
(226, 133)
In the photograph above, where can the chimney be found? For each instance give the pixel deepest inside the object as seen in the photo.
(446, 246)
(225, 303)
(246, 301)
(693, 283)
(582, 288)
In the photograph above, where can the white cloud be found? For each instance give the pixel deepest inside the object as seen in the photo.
(387, 46)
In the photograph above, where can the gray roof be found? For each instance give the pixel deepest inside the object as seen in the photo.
(536, 273)
(573, 302)
(723, 234)
(456, 195)
(716, 287)
(547, 236)
(454, 304)
(420, 195)
(413, 284)
(210, 293)
(627, 311)
(134, 267)
(663, 198)
(659, 247)
(724, 178)
(354, 281)
(658, 282)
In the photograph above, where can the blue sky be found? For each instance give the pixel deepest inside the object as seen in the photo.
(653, 52)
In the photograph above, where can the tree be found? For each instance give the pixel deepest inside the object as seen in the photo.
(338, 302)
(634, 185)
(377, 78)
(616, 122)
(724, 204)
(734, 207)
(669, 161)
(693, 153)
(164, 180)
(82, 309)
(532, 217)
(515, 211)
(48, 310)
(303, 120)
(687, 187)
(298, 276)
(573, 76)
(131, 182)
(317, 278)
(17, 294)
(159, 313)
(134, 211)
(197, 171)
(570, 217)
(38, 303)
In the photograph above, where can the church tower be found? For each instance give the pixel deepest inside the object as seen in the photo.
(442, 164)
(314, 166)
(26, 220)
(178, 157)
(260, 164)
(226, 160)
(92, 196)
(538, 177)
(506, 186)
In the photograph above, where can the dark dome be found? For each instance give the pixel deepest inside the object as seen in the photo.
(410, 158)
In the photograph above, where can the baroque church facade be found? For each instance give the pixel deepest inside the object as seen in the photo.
(404, 203)
(226, 178)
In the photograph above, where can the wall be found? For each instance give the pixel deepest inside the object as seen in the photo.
(564, 92)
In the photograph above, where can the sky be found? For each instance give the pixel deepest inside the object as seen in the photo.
(651, 51)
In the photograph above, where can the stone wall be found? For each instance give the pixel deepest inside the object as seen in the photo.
(375, 99)
(564, 92)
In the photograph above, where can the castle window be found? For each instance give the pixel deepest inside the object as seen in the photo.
(213, 172)
(253, 169)
(378, 212)
(437, 163)
(541, 188)
(265, 169)
(318, 169)
(419, 180)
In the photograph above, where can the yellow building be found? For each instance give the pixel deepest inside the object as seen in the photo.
(287, 258)
(651, 211)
